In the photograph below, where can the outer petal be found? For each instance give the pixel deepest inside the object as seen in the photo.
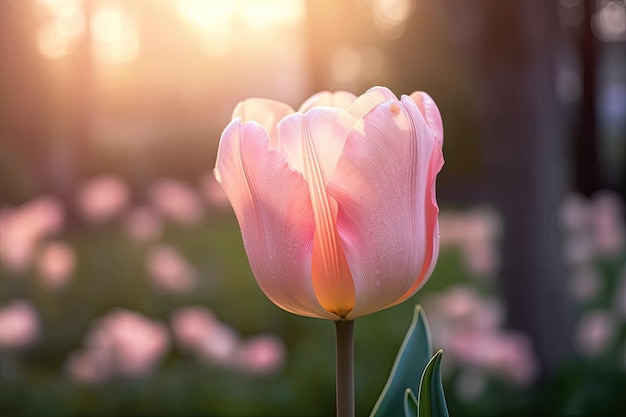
(430, 112)
(381, 186)
(265, 112)
(431, 208)
(371, 98)
(340, 99)
(273, 207)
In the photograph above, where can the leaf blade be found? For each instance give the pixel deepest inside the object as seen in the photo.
(407, 369)
(431, 401)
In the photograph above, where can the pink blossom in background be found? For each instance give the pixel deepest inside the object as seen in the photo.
(586, 283)
(261, 354)
(574, 213)
(190, 325)
(462, 306)
(593, 227)
(22, 227)
(176, 201)
(56, 264)
(477, 233)
(101, 198)
(143, 224)
(169, 270)
(608, 231)
(89, 366)
(213, 193)
(122, 343)
(19, 325)
(198, 331)
(578, 249)
(596, 332)
(508, 355)
(466, 326)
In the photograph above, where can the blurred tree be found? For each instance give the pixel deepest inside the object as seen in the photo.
(587, 177)
(24, 116)
(510, 48)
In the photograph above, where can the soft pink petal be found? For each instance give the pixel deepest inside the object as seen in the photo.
(329, 129)
(372, 97)
(385, 219)
(430, 112)
(339, 99)
(273, 207)
(312, 144)
(265, 112)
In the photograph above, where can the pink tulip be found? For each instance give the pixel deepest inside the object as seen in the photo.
(19, 324)
(56, 264)
(336, 202)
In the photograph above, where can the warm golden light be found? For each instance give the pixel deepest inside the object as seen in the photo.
(57, 38)
(264, 14)
(390, 16)
(115, 36)
(218, 21)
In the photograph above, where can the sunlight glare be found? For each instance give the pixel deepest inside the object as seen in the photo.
(115, 36)
(390, 16)
(57, 38)
(264, 14)
(218, 21)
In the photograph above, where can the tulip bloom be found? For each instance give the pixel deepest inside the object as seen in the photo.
(336, 202)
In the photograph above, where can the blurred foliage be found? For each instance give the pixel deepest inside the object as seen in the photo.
(111, 274)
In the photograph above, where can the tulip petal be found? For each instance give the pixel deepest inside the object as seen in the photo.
(274, 211)
(340, 99)
(381, 186)
(312, 144)
(329, 129)
(265, 112)
(372, 97)
(430, 112)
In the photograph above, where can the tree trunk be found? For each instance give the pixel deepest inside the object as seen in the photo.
(511, 49)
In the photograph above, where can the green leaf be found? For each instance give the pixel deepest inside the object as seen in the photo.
(432, 401)
(411, 360)
(410, 403)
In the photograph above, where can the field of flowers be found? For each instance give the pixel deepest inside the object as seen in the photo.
(121, 302)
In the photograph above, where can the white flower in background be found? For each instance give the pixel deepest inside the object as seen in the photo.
(169, 270)
(19, 325)
(176, 201)
(56, 264)
(102, 198)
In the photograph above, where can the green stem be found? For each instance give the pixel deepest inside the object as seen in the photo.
(345, 368)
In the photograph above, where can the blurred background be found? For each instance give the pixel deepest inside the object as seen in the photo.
(124, 285)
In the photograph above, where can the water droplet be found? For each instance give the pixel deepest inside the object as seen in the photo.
(378, 283)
